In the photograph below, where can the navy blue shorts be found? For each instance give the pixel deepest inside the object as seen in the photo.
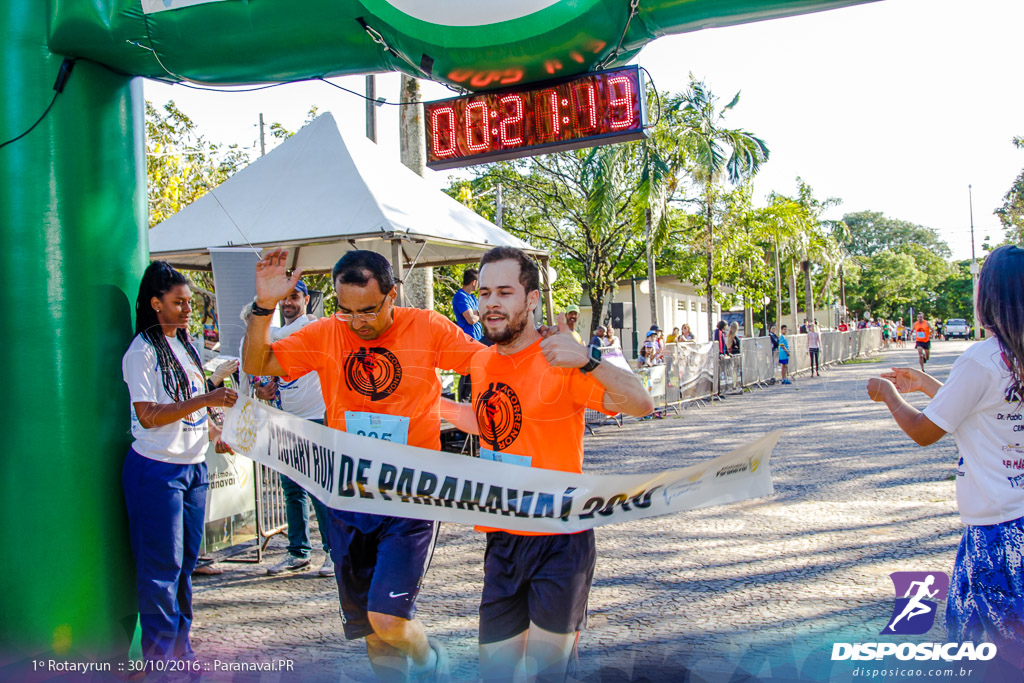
(379, 565)
(784, 361)
(540, 579)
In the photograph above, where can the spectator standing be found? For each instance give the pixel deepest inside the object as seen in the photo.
(719, 338)
(784, 356)
(598, 339)
(733, 339)
(674, 337)
(814, 348)
(686, 335)
(985, 601)
(164, 476)
(302, 397)
(572, 314)
(467, 317)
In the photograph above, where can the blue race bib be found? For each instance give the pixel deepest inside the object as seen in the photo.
(393, 428)
(496, 456)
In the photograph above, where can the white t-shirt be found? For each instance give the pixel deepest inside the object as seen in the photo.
(303, 396)
(989, 432)
(183, 442)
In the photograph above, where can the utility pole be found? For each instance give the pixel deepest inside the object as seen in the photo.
(263, 140)
(651, 273)
(499, 212)
(974, 268)
(419, 282)
(371, 107)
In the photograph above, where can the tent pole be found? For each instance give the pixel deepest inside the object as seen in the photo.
(548, 303)
(396, 266)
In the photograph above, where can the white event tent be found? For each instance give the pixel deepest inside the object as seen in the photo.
(321, 193)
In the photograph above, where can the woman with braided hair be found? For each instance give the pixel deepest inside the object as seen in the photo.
(164, 475)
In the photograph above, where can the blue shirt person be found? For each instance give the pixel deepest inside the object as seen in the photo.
(467, 317)
(464, 303)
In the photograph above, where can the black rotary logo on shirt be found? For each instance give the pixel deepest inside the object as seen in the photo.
(499, 414)
(373, 372)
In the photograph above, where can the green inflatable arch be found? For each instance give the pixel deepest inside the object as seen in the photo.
(73, 224)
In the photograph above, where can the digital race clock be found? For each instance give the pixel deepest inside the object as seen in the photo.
(593, 109)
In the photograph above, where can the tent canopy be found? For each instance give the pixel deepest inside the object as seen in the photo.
(321, 193)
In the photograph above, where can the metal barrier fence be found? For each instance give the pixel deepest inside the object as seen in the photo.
(270, 507)
(696, 373)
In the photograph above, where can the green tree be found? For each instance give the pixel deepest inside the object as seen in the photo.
(698, 126)
(584, 207)
(869, 232)
(182, 166)
(889, 282)
(1011, 213)
(954, 294)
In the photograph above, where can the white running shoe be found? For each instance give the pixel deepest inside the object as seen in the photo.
(327, 568)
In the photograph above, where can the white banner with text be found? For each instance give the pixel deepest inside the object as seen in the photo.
(363, 474)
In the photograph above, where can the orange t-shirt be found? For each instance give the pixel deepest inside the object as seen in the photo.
(922, 332)
(531, 411)
(394, 374)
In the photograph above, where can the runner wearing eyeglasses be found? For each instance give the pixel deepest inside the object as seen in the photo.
(377, 364)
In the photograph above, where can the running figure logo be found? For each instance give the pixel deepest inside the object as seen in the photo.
(914, 613)
(373, 372)
(499, 415)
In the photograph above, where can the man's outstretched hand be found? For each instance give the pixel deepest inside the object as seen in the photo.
(272, 281)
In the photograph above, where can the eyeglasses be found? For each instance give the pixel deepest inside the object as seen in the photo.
(362, 317)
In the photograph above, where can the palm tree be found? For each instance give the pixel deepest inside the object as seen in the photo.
(715, 150)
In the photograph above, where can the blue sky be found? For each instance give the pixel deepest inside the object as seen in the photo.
(895, 106)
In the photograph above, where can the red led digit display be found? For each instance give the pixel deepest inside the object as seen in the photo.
(592, 109)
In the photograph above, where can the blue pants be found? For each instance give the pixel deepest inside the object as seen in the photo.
(166, 503)
(296, 509)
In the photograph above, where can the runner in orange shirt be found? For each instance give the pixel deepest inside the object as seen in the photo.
(922, 339)
(529, 397)
(377, 366)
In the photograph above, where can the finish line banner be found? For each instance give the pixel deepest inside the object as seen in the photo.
(363, 474)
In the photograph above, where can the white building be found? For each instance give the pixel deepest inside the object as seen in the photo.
(678, 304)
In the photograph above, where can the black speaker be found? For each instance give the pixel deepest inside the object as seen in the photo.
(622, 315)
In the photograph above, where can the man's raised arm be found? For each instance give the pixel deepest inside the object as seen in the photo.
(272, 285)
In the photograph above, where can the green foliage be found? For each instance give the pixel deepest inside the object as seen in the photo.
(696, 124)
(871, 231)
(914, 257)
(953, 298)
(182, 165)
(580, 206)
(1011, 213)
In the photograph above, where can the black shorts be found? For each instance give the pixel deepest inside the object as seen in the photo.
(927, 346)
(379, 568)
(540, 579)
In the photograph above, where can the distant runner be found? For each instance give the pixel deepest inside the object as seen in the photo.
(923, 339)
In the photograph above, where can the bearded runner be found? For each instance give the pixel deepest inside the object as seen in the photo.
(377, 365)
(529, 397)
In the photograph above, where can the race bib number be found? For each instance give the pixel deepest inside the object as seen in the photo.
(393, 428)
(920, 335)
(521, 460)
